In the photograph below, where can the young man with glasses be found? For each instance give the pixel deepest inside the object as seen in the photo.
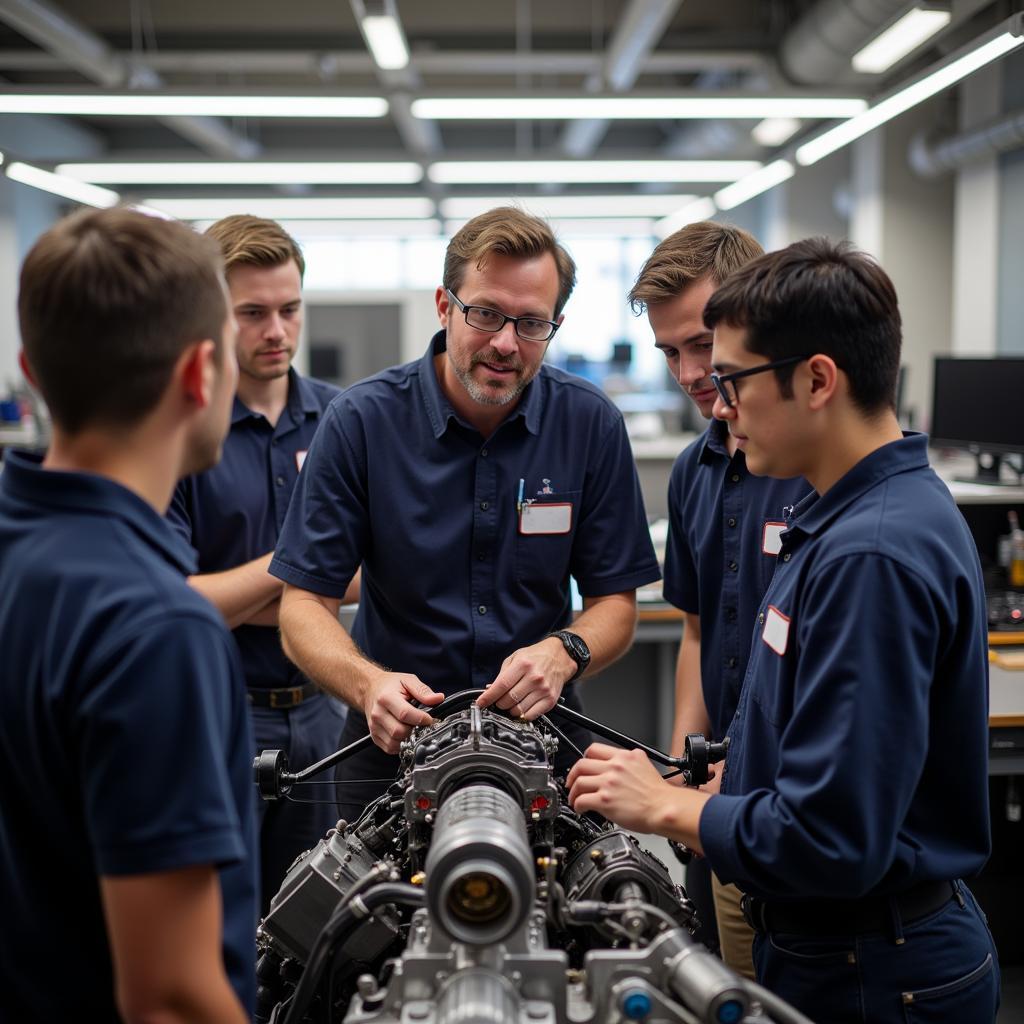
(469, 485)
(843, 812)
(723, 524)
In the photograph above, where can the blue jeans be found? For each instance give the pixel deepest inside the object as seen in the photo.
(946, 971)
(306, 734)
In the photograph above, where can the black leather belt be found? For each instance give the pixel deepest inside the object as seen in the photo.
(285, 697)
(848, 917)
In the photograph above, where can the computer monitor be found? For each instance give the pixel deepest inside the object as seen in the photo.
(977, 406)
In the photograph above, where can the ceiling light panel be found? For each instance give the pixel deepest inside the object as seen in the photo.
(533, 172)
(385, 41)
(164, 105)
(61, 185)
(774, 131)
(754, 184)
(568, 206)
(612, 108)
(916, 27)
(297, 208)
(246, 173)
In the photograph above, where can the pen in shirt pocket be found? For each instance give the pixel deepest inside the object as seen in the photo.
(519, 499)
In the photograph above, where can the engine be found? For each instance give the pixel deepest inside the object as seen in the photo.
(471, 893)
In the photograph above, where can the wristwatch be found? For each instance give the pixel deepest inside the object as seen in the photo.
(577, 649)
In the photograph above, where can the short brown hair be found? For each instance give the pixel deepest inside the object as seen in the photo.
(108, 301)
(255, 242)
(507, 231)
(698, 251)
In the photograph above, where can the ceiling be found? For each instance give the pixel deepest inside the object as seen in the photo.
(513, 49)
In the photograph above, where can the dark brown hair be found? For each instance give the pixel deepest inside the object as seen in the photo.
(507, 231)
(255, 242)
(819, 296)
(698, 251)
(108, 301)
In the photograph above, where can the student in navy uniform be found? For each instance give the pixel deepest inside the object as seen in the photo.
(724, 523)
(127, 877)
(844, 812)
(469, 485)
(232, 514)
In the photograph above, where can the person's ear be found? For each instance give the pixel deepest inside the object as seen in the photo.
(197, 371)
(823, 379)
(443, 304)
(26, 369)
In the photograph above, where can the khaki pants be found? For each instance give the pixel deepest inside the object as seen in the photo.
(734, 934)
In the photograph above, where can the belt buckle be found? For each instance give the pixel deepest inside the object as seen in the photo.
(289, 698)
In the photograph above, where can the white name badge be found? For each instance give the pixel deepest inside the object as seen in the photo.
(300, 458)
(544, 517)
(771, 539)
(776, 630)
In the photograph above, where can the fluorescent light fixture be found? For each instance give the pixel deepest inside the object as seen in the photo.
(774, 131)
(298, 208)
(699, 209)
(613, 108)
(567, 207)
(386, 41)
(327, 229)
(60, 185)
(534, 172)
(611, 227)
(908, 33)
(957, 69)
(164, 105)
(246, 173)
(754, 184)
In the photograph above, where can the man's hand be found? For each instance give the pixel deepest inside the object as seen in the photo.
(389, 714)
(531, 680)
(620, 784)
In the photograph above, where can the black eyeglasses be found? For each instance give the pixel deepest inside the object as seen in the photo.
(529, 328)
(725, 383)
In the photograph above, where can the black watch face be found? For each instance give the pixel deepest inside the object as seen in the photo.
(581, 652)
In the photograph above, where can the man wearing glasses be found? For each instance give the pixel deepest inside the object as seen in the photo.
(724, 525)
(469, 485)
(842, 814)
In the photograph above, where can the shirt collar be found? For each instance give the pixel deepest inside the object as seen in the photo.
(815, 512)
(301, 401)
(440, 411)
(25, 478)
(714, 441)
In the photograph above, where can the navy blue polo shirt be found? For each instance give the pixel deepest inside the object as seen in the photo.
(396, 482)
(859, 748)
(234, 512)
(722, 546)
(124, 739)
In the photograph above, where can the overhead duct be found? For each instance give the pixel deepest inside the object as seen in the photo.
(932, 158)
(818, 48)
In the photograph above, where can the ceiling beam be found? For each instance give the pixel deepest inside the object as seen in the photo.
(75, 45)
(637, 33)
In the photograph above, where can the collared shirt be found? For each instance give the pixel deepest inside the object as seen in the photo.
(234, 512)
(396, 482)
(124, 738)
(724, 525)
(859, 748)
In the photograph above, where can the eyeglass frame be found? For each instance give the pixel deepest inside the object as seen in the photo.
(514, 320)
(721, 379)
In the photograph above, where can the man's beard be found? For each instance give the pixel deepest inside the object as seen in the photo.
(485, 395)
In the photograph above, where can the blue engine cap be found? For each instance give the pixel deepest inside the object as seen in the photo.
(729, 1012)
(636, 1004)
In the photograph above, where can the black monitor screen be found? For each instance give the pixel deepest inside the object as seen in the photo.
(978, 404)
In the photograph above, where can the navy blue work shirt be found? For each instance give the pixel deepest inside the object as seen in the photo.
(724, 525)
(234, 512)
(124, 738)
(859, 748)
